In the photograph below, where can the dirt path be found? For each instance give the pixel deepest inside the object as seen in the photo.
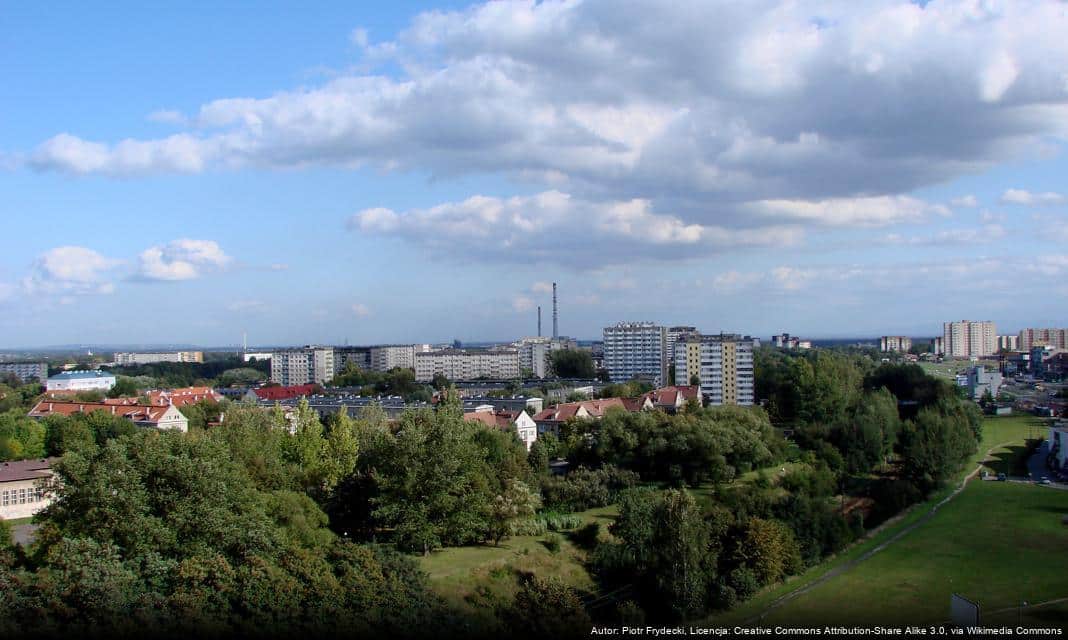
(846, 566)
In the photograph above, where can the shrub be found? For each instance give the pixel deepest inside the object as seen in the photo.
(552, 542)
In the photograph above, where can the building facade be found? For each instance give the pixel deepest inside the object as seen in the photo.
(674, 335)
(359, 357)
(969, 339)
(128, 359)
(81, 381)
(535, 354)
(156, 416)
(895, 344)
(25, 371)
(386, 357)
(724, 366)
(981, 380)
(636, 350)
(1056, 338)
(306, 365)
(1008, 343)
(24, 487)
(468, 364)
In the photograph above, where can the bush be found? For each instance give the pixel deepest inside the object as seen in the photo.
(552, 542)
(584, 489)
(562, 522)
(587, 536)
(529, 527)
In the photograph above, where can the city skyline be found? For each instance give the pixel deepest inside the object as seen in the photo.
(424, 172)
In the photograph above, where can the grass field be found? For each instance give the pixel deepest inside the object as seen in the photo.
(1014, 431)
(474, 579)
(995, 543)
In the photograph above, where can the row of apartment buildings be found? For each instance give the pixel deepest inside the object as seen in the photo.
(125, 359)
(720, 365)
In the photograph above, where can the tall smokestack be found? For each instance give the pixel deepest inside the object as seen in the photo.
(556, 326)
(539, 320)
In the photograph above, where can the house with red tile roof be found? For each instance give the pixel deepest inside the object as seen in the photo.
(156, 416)
(671, 399)
(550, 419)
(518, 421)
(183, 396)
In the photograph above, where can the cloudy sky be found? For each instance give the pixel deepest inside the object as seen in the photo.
(421, 173)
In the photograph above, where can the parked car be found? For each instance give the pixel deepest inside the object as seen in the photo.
(1002, 477)
(1044, 480)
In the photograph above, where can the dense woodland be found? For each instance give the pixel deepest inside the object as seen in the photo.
(270, 523)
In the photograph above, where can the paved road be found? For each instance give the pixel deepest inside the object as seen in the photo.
(23, 533)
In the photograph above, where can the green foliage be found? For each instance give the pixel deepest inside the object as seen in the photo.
(5, 534)
(552, 542)
(187, 374)
(546, 608)
(125, 387)
(629, 389)
(516, 502)
(585, 488)
(572, 363)
(398, 381)
(714, 444)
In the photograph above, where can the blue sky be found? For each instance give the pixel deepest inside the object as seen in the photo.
(420, 171)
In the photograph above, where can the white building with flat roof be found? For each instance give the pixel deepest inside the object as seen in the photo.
(128, 359)
(969, 339)
(25, 371)
(721, 365)
(468, 364)
(305, 365)
(81, 381)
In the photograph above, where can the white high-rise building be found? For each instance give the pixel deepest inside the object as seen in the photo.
(674, 335)
(307, 365)
(636, 349)
(722, 364)
(969, 339)
(900, 344)
(393, 356)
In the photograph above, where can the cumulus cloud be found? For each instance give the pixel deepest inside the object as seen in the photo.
(182, 259)
(542, 287)
(876, 211)
(522, 303)
(361, 310)
(950, 237)
(1029, 199)
(595, 98)
(965, 201)
(579, 232)
(71, 270)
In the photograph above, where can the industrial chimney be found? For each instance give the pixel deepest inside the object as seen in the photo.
(556, 326)
(539, 320)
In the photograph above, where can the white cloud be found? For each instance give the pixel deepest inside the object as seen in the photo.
(167, 116)
(964, 201)
(182, 259)
(593, 98)
(247, 306)
(542, 287)
(950, 237)
(522, 304)
(1029, 199)
(876, 211)
(576, 232)
(71, 270)
(360, 310)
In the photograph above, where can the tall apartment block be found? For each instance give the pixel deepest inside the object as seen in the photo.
(25, 371)
(969, 339)
(636, 349)
(1008, 343)
(1056, 338)
(306, 365)
(723, 366)
(899, 344)
(535, 352)
(673, 336)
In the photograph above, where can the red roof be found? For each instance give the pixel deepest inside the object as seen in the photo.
(499, 419)
(673, 396)
(136, 412)
(285, 393)
(596, 408)
(184, 396)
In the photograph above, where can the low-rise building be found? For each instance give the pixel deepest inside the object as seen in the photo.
(981, 380)
(672, 399)
(25, 487)
(183, 396)
(81, 381)
(280, 393)
(549, 420)
(130, 359)
(25, 371)
(155, 416)
(787, 341)
(1058, 446)
(517, 421)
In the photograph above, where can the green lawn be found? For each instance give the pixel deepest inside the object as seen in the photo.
(18, 521)
(997, 543)
(474, 579)
(1014, 430)
(949, 368)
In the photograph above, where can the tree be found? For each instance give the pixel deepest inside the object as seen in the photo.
(547, 608)
(124, 387)
(516, 502)
(572, 363)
